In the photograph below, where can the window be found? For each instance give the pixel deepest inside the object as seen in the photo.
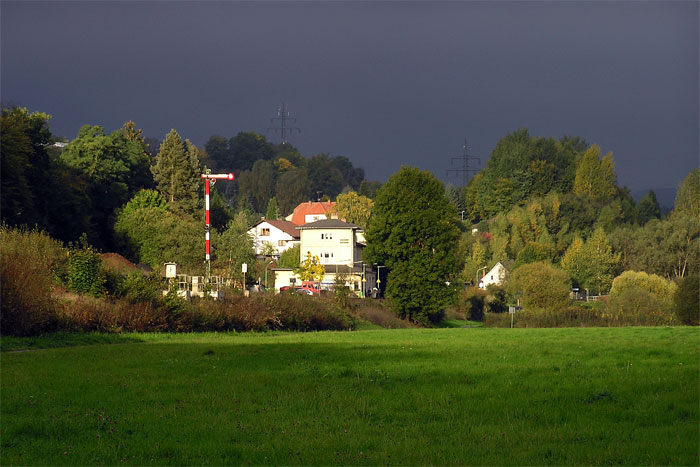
(292, 280)
(344, 240)
(281, 242)
(265, 232)
(327, 236)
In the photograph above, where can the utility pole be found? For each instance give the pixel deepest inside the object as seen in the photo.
(463, 168)
(284, 129)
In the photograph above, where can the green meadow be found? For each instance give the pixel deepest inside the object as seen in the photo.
(399, 397)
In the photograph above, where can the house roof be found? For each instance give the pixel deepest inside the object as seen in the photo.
(300, 212)
(329, 224)
(285, 226)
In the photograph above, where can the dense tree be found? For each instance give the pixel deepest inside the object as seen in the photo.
(414, 233)
(661, 289)
(595, 176)
(21, 153)
(324, 177)
(115, 167)
(235, 247)
(353, 208)
(258, 184)
(592, 264)
(543, 286)
(648, 208)
(246, 148)
(177, 173)
(272, 211)
(369, 189)
(686, 300)
(352, 176)
(218, 153)
(144, 199)
(688, 195)
(153, 236)
(290, 258)
(292, 188)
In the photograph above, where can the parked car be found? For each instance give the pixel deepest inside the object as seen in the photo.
(296, 289)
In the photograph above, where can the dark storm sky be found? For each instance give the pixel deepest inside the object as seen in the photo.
(385, 84)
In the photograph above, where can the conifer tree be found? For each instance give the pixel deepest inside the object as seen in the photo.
(177, 173)
(272, 212)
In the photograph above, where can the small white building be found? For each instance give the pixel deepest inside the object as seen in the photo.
(273, 236)
(496, 276)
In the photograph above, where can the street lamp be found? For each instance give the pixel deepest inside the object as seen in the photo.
(378, 281)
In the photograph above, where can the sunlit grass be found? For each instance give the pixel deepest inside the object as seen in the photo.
(441, 396)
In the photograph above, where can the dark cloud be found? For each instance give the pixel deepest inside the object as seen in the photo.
(385, 84)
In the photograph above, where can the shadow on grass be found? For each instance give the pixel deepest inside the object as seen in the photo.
(62, 339)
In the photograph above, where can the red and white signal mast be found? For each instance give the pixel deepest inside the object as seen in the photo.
(210, 179)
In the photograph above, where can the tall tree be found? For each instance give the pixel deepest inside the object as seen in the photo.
(218, 152)
(354, 208)
(324, 177)
(595, 176)
(413, 232)
(292, 188)
(235, 247)
(246, 148)
(272, 211)
(688, 195)
(258, 183)
(177, 173)
(592, 264)
(648, 208)
(116, 168)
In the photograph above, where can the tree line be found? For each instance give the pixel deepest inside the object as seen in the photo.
(549, 204)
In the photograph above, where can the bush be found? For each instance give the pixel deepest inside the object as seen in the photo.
(377, 313)
(686, 300)
(27, 307)
(663, 290)
(136, 287)
(85, 274)
(571, 316)
(638, 307)
(31, 264)
(542, 286)
(471, 301)
(496, 300)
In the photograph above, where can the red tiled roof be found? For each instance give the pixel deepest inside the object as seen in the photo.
(301, 211)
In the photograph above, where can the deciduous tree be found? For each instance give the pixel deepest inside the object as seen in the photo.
(353, 208)
(413, 232)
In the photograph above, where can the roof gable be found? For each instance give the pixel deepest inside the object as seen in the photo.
(285, 226)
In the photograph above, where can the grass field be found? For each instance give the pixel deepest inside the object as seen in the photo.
(417, 396)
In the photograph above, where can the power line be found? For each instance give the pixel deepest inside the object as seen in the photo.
(284, 129)
(464, 168)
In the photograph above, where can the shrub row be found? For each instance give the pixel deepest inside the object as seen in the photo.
(255, 313)
(604, 315)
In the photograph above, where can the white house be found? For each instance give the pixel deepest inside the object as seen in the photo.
(273, 236)
(338, 245)
(496, 276)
